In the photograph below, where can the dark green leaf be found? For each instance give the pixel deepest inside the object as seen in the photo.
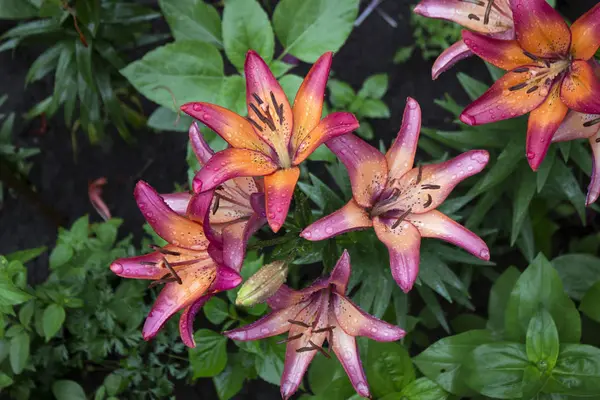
(60, 255)
(388, 368)
(44, 64)
(193, 20)
(374, 108)
(403, 54)
(164, 119)
(543, 171)
(209, 357)
(542, 343)
(473, 87)
(10, 294)
(290, 84)
(525, 189)
(433, 306)
(578, 272)
(534, 380)
(67, 390)
(5, 380)
(216, 310)
(577, 371)
(230, 381)
(340, 93)
(323, 372)
(54, 317)
(19, 352)
(374, 87)
(423, 389)
(565, 181)
(590, 304)
(269, 363)
(499, 296)
(24, 256)
(17, 9)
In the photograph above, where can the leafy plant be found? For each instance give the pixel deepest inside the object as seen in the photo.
(432, 36)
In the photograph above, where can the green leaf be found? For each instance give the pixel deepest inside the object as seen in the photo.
(563, 178)
(525, 189)
(496, 370)
(83, 56)
(290, 84)
(534, 380)
(578, 272)
(388, 368)
(542, 342)
(164, 119)
(26, 313)
(403, 54)
(193, 20)
(307, 29)
(374, 86)
(540, 287)
(19, 352)
(44, 64)
(323, 372)
(67, 390)
(230, 381)
(443, 361)
(269, 363)
(60, 255)
(341, 93)
(577, 372)
(499, 296)
(423, 389)
(374, 108)
(189, 70)
(54, 317)
(246, 27)
(216, 310)
(10, 294)
(209, 357)
(24, 256)
(590, 304)
(17, 9)
(545, 168)
(473, 87)
(5, 380)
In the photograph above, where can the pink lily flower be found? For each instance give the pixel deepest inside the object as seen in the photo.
(230, 214)
(191, 276)
(490, 17)
(400, 201)
(311, 316)
(549, 73)
(274, 138)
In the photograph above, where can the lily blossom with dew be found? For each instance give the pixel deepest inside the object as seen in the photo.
(274, 138)
(400, 201)
(549, 72)
(230, 214)
(190, 275)
(490, 17)
(311, 316)
(95, 195)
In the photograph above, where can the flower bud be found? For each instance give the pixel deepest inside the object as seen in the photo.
(263, 284)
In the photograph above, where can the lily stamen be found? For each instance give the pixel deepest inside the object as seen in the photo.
(299, 323)
(167, 279)
(172, 271)
(278, 109)
(216, 204)
(401, 218)
(254, 124)
(592, 123)
(320, 349)
(488, 11)
(327, 329)
(290, 339)
(428, 202)
(164, 251)
(419, 175)
(430, 187)
(257, 98)
(518, 87)
(265, 120)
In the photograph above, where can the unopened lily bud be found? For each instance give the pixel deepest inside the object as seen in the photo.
(263, 284)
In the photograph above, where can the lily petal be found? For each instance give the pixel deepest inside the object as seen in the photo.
(586, 34)
(177, 202)
(475, 15)
(201, 148)
(186, 321)
(341, 273)
(272, 324)
(232, 163)
(226, 279)
(540, 29)
(308, 105)
(543, 123)
(141, 267)
(356, 322)
(404, 244)
(576, 126)
(169, 225)
(348, 218)
(511, 96)
(581, 88)
(268, 106)
(450, 57)
(284, 297)
(234, 129)
(279, 190)
(235, 238)
(505, 54)
(594, 187)
(401, 156)
(334, 125)
(345, 348)
(434, 224)
(365, 164)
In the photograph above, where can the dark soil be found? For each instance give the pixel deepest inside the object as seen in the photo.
(61, 177)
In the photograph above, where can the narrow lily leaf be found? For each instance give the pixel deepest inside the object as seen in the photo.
(434, 306)
(543, 171)
(565, 181)
(505, 165)
(473, 87)
(525, 189)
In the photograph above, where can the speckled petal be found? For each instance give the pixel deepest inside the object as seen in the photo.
(586, 34)
(478, 16)
(348, 218)
(365, 164)
(345, 348)
(232, 163)
(272, 324)
(341, 273)
(576, 126)
(186, 321)
(449, 58)
(279, 190)
(505, 54)
(201, 149)
(404, 244)
(235, 237)
(507, 98)
(543, 123)
(334, 125)
(308, 105)
(356, 322)
(169, 225)
(226, 279)
(234, 129)
(401, 156)
(594, 187)
(141, 267)
(540, 29)
(177, 202)
(434, 224)
(581, 88)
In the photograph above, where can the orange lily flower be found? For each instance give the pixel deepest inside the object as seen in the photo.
(490, 17)
(549, 72)
(274, 138)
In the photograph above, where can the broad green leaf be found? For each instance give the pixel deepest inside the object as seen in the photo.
(388, 367)
(216, 310)
(496, 370)
(578, 272)
(499, 296)
(542, 342)
(67, 390)
(340, 93)
(193, 20)
(19, 352)
(290, 84)
(577, 371)
(443, 361)
(269, 363)
(60, 255)
(209, 357)
(590, 304)
(17, 9)
(423, 389)
(540, 287)
(309, 28)
(233, 96)
(188, 70)
(26, 313)
(5, 380)
(323, 372)
(525, 189)
(246, 27)
(24, 256)
(10, 294)
(230, 381)
(473, 87)
(54, 317)
(534, 379)
(374, 86)
(374, 108)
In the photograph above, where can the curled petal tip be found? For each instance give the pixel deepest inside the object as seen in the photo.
(484, 254)
(467, 119)
(117, 268)
(481, 156)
